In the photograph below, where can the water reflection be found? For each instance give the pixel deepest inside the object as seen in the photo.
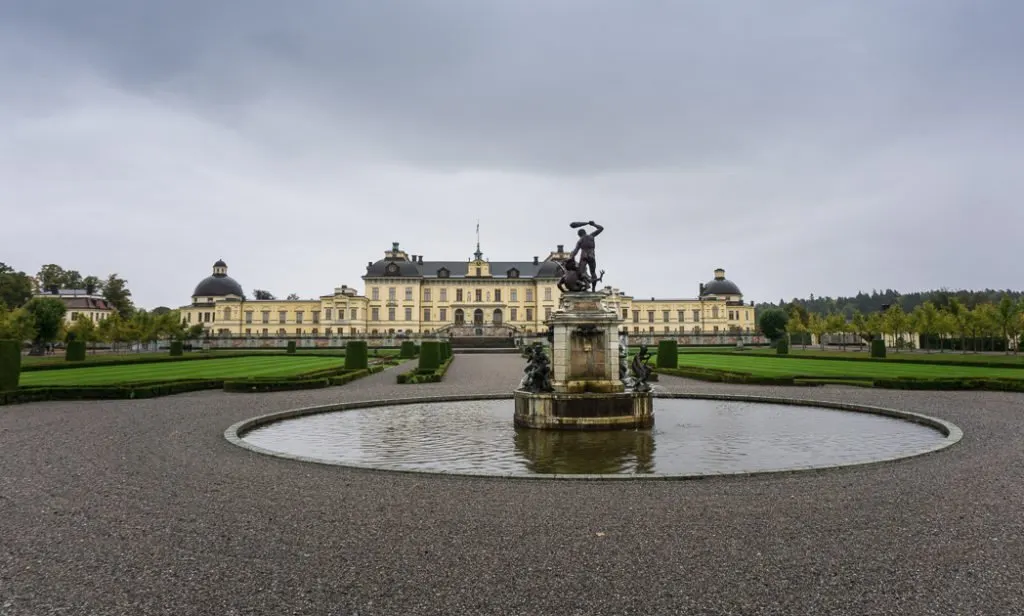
(586, 452)
(689, 437)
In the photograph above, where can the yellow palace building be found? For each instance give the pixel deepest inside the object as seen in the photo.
(407, 295)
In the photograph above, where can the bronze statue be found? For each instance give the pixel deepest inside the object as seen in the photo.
(537, 377)
(574, 279)
(585, 247)
(641, 370)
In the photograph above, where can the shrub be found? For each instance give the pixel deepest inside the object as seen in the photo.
(291, 346)
(668, 354)
(430, 355)
(75, 351)
(878, 348)
(266, 385)
(408, 349)
(417, 376)
(176, 348)
(782, 347)
(10, 364)
(355, 355)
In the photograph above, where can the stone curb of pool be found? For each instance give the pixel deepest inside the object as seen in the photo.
(234, 434)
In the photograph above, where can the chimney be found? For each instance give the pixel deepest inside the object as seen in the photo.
(561, 248)
(369, 264)
(394, 246)
(536, 260)
(414, 258)
(701, 292)
(421, 260)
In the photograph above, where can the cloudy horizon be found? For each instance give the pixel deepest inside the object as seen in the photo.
(805, 147)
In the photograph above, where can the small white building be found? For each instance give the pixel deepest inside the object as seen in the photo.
(81, 305)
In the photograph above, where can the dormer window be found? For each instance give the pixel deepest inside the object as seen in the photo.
(443, 272)
(391, 269)
(513, 273)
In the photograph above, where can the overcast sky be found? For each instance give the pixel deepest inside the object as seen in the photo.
(806, 147)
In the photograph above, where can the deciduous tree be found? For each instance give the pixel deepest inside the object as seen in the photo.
(16, 324)
(772, 323)
(115, 291)
(262, 294)
(47, 314)
(16, 288)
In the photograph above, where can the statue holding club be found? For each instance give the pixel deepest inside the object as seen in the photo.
(585, 247)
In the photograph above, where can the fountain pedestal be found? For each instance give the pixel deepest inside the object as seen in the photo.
(587, 392)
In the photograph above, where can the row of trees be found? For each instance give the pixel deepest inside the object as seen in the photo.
(871, 302)
(41, 320)
(17, 288)
(1002, 320)
(264, 294)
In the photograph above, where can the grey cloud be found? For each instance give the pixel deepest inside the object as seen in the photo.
(780, 136)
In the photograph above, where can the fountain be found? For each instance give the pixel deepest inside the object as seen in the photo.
(583, 384)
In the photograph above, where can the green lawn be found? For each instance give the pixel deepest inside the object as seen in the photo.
(801, 367)
(980, 358)
(228, 367)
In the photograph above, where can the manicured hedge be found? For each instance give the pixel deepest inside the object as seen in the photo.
(915, 358)
(430, 356)
(782, 347)
(176, 348)
(10, 364)
(355, 355)
(75, 351)
(291, 347)
(878, 348)
(722, 376)
(152, 358)
(668, 354)
(985, 384)
(408, 350)
(418, 376)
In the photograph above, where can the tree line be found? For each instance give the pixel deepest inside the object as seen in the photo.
(18, 288)
(955, 324)
(875, 301)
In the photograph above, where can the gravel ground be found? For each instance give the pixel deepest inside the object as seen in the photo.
(142, 507)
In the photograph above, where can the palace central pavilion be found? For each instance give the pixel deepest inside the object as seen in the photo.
(407, 295)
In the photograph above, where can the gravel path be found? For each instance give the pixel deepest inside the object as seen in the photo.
(142, 507)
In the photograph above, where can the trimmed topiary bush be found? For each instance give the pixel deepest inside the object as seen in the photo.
(10, 364)
(176, 348)
(355, 355)
(408, 349)
(782, 347)
(668, 354)
(75, 351)
(430, 355)
(878, 348)
(291, 346)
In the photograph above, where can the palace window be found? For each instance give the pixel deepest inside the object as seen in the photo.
(625, 313)
(650, 316)
(479, 295)
(442, 273)
(529, 314)
(497, 295)
(681, 315)
(354, 314)
(443, 314)
(664, 316)
(298, 331)
(714, 312)
(547, 313)
(547, 294)
(375, 293)
(327, 332)
(408, 314)
(248, 317)
(513, 314)
(265, 316)
(316, 316)
(227, 314)
(426, 314)
(529, 296)
(513, 295)
(696, 316)
(74, 316)
(458, 295)
(265, 331)
(314, 332)
(408, 294)
(392, 293)
(478, 271)
(375, 314)
(391, 314)
(716, 329)
(282, 316)
(298, 316)
(636, 316)
(281, 332)
(426, 295)
(444, 295)
(327, 313)
(666, 329)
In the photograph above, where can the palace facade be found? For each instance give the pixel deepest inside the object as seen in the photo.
(405, 294)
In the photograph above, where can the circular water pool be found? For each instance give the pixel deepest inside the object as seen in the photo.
(691, 437)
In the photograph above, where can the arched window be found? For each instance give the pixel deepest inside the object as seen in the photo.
(460, 317)
(478, 317)
(497, 316)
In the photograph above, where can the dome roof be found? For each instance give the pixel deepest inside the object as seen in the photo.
(218, 285)
(721, 286)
